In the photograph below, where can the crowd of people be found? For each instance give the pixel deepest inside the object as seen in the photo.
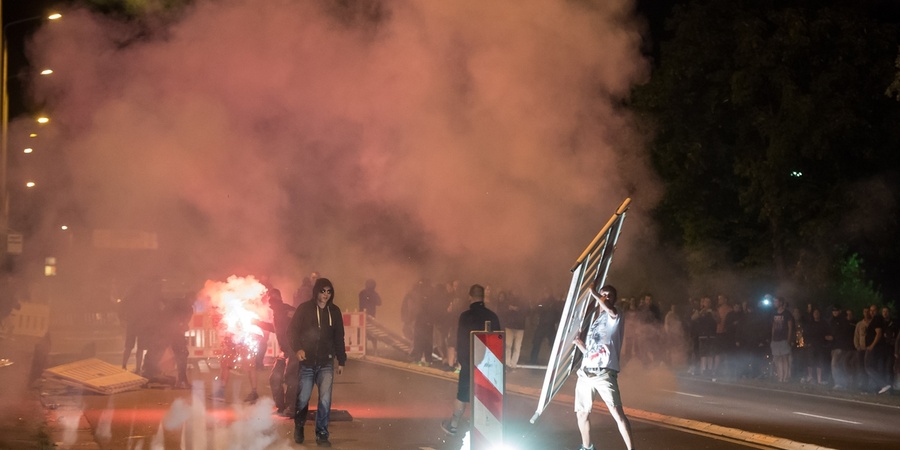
(429, 313)
(771, 339)
(155, 324)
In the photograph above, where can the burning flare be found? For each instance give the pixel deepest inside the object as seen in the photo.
(239, 301)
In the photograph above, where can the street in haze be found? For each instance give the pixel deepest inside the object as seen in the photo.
(399, 406)
(817, 416)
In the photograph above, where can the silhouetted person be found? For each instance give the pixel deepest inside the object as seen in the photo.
(136, 310)
(472, 319)
(548, 312)
(178, 316)
(285, 372)
(369, 301)
(423, 303)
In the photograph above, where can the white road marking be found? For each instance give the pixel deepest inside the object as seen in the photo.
(683, 393)
(827, 418)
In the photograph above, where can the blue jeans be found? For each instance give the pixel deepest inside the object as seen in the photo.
(323, 377)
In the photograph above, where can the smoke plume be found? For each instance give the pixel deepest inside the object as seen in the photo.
(484, 141)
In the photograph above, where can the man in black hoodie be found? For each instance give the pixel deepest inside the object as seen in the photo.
(317, 337)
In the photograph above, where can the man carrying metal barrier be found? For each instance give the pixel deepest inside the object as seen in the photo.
(580, 312)
(600, 367)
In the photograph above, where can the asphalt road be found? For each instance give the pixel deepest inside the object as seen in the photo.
(811, 415)
(399, 406)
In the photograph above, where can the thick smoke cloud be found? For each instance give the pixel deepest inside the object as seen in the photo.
(477, 140)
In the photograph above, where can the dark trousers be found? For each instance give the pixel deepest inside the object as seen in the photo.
(155, 352)
(283, 381)
(841, 367)
(537, 341)
(876, 368)
(423, 341)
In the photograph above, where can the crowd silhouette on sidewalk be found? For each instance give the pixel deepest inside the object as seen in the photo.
(773, 339)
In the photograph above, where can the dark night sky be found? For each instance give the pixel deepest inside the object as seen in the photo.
(14, 10)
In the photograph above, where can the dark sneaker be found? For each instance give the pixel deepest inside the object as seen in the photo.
(322, 440)
(586, 448)
(252, 397)
(298, 433)
(448, 428)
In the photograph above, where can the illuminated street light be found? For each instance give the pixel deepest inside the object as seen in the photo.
(43, 119)
(64, 227)
(46, 71)
(4, 126)
(28, 150)
(29, 184)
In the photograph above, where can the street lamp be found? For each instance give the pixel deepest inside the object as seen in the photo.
(4, 129)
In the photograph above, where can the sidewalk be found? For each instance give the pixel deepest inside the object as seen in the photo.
(22, 422)
(890, 398)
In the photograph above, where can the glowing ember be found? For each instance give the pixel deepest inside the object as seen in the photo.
(239, 301)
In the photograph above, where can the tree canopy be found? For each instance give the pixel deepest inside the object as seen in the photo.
(775, 138)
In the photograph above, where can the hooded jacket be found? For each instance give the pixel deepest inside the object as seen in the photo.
(319, 332)
(470, 320)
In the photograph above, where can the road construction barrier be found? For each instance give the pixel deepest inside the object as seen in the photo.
(355, 333)
(31, 319)
(203, 337)
(204, 340)
(96, 376)
(487, 389)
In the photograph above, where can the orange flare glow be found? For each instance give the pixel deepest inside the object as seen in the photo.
(239, 300)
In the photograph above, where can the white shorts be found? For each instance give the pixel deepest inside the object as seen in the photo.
(605, 383)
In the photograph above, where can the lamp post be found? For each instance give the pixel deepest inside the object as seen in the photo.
(4, 128)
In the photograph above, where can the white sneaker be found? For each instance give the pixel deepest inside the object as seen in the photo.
(885, 389)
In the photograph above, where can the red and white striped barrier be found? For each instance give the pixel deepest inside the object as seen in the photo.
(203, 336)
(355, 333)
(488, 386)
